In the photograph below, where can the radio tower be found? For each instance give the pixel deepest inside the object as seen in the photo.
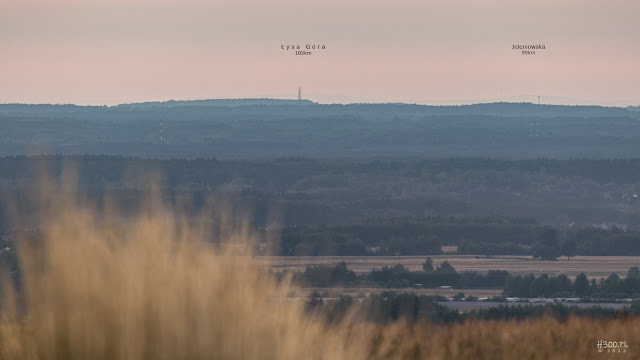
(538, 99)
(299, 93)
(163, 116)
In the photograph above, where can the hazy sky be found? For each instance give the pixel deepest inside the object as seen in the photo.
(429, 52)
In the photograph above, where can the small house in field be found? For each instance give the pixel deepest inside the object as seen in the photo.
(445, 287)
(417, 286)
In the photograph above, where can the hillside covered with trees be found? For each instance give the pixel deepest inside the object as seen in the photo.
(261, 129)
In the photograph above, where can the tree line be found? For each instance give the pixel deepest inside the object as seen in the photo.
(432, 276)
(390, 306)
(473, 236)
(544, 285)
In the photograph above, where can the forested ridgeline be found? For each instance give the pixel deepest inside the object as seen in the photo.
(254, 130)
(277, 106)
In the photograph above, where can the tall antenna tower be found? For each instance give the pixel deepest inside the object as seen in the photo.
(538, 99)
(299, 93)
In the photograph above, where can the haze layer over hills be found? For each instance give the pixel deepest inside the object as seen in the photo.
(269, 128)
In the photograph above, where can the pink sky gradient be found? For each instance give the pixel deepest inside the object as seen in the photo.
(428, 52)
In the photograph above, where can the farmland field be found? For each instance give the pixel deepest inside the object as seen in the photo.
(592, 266)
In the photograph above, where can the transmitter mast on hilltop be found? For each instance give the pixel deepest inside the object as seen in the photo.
(299, 93)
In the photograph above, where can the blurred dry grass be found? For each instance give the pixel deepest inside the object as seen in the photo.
(153, 286)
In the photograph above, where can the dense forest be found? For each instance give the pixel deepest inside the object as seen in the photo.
(473, 236)
(545, 208)
(359, 179)
(595, 193)
(254, 129)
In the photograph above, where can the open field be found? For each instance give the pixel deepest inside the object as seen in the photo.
(592, 266)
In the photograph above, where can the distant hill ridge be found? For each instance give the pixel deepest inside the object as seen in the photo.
(218, 102)
(183, 129)
(394, 109)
